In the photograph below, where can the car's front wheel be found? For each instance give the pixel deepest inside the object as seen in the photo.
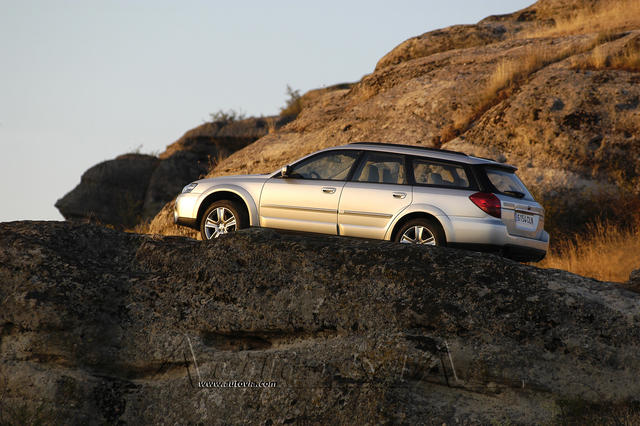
(221, 217)
(421, 231)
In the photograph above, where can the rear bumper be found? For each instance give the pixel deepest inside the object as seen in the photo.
(524, 254)
(519, 253)
(525, 245)
(492, 235)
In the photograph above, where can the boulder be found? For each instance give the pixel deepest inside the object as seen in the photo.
(100, 326)
(111, 192)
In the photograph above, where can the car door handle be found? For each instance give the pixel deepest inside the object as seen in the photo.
(399, 194)
(328, 190)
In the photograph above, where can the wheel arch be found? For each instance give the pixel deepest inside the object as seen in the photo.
(224, 194)
(417, 214)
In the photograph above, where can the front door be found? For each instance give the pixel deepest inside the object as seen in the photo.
(307, 200)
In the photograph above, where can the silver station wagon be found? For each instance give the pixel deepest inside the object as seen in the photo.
(384, 191)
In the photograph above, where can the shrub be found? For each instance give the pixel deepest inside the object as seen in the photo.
(293, 104)
(227, 116)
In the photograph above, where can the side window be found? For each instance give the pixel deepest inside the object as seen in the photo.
(332, 165)
(427, 172)
(380, 167)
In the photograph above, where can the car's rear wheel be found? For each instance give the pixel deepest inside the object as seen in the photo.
(421, 231)
(220, 218)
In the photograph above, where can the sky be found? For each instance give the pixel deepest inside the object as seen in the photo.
(84, 81)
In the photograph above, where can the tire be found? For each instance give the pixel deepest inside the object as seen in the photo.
(421, 231)
(233, 218)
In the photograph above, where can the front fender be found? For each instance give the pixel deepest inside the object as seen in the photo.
(237, 190)
(430, 209)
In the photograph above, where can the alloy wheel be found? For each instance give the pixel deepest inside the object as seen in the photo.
(418, 235)
(219, 221)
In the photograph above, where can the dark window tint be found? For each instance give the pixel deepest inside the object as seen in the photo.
(378, 167)
(332, 165)
(508, 183)
(428, 172)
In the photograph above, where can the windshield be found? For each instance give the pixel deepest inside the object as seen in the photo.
(508, 183)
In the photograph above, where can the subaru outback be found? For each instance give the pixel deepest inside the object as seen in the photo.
(383, 191)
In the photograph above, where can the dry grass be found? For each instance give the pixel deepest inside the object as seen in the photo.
(605, 16)
(141, 228)
(627, 58)
(511, 70)
(606, 252)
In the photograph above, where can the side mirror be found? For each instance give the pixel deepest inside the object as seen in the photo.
(285, 171)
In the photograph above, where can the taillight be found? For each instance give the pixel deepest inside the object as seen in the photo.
(487, 202)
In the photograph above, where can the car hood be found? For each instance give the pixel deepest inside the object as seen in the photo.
(237, 179)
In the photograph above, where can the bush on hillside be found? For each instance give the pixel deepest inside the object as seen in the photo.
(293, 104)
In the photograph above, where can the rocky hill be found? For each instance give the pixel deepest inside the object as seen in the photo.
(103, 327)
(553, 89)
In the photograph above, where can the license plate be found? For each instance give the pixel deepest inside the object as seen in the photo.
(526, 221)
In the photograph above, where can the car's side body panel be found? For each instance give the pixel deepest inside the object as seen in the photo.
(422, 208)
(248, 188)
(367, 209)
(300, 205)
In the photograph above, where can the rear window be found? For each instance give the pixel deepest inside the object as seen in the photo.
(508, 183)
(427, 172)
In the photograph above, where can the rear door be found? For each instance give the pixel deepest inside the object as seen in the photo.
(376, 194)
(521, 214)
(308, 199)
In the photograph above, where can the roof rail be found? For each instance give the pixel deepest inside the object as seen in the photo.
(423, 148)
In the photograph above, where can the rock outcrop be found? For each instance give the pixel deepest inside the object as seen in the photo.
(451, 38)
(133, 188)
(100, 326)
(493, 29)
(111, 192)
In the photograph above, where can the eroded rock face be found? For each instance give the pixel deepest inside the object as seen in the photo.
(454, 37)
(490, 30)
(352, 331)
(111, 192)
(133, 188)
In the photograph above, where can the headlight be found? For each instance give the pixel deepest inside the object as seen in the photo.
(189, 188)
